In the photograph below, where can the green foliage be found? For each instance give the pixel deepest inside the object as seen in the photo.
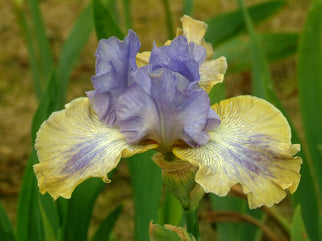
(41, 218)
(147, 185)
(103, 231)
(6, 230)
(227, 25)
(298, 231)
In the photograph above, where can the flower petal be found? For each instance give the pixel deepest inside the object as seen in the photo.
(73, 145)
(180, 56)
(115, 60)
(212, 72)
(195, 31)
(165, 107)
(252, 147)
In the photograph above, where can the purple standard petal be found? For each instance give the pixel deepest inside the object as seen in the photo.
(179, 57)
(115, 60)
(170, 110)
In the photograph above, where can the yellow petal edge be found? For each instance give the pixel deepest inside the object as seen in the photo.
(73, 145)
(252, 147)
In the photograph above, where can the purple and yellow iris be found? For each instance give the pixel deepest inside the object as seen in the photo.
(159, 100)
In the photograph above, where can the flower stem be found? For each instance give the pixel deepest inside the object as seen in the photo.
(192, 223)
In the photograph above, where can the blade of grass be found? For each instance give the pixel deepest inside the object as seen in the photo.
(127, 13)
(6, 230)
(29, 223)
(42, 42)
(34, 65)
(310, 85)
(225, 26)
(262, 87)
(77, 39)
(104, 230)
(188, 7)
(298, 232)
(171, 211)
(146, 182)
(48, 230)
(169, 18)
(276, 46)
(80, 208)
(105, 25)
(310, 99)
(234, 231)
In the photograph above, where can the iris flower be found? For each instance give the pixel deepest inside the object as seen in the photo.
(159, 100)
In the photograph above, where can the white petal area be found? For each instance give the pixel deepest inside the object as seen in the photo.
(251, 147)
(73, 145)
(212, 72)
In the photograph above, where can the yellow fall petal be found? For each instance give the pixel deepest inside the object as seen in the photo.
(73, 145)
(252, 147)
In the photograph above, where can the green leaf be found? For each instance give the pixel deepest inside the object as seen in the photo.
(310, 85)
(146, 182)
(217, 93)
(48, 230)
(171, 211)
(41, 41)
(234, 231)
(310, 99)
(77, 39)
(127, 13)
(105, 25)
(262, 87)
(225, 26)
(169, 19)
(298, 232)
(106, 226)
(34, 65)
(6, 230)
(80, 208)
(29, 223)
(188, 7)
(276, 46)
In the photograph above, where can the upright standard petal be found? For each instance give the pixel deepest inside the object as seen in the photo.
(73, 145)
(166, 108)
(195, 31)
(180, 56)
(212, 72)
(251, 147)
(115, 60)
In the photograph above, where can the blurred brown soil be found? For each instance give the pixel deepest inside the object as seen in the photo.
(18, 102)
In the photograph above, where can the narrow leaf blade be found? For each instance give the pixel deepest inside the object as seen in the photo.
(6, 230)
(225, 26)
(105, 25)
(72, 48)
(147, 184)
(104, 230)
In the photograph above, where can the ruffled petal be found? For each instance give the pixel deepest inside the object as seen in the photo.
(195, 31)
(163, 106)
(252, 147)
(212, 72)
(73, 145)
(115, 60)
(180, 56)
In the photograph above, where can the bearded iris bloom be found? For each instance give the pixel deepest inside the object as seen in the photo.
(159, 100)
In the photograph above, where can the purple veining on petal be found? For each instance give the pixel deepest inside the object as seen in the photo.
(180, 56)
(170, 110)
(115, 60)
